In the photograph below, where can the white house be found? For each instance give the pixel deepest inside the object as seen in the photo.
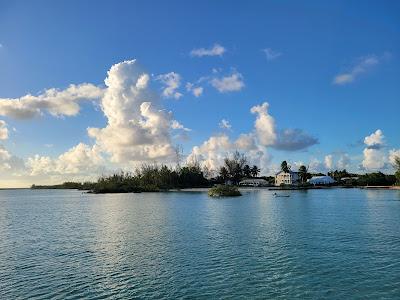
(254, 182)
(321, 180)
(287, 178)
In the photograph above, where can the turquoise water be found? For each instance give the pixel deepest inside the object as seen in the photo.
(335, 244)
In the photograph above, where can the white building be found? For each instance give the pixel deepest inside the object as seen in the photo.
(287, 178)
(321, 180)
(253, 182)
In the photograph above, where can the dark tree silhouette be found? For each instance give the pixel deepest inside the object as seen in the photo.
(247, 171)
(255, 171)
(285, 167)
(303, 174)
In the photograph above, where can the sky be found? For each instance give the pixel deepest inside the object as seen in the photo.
(91, 87)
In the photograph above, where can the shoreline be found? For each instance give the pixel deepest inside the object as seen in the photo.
(205, 189)
(381, 187)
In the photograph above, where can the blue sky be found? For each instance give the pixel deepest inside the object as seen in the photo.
(48, 44)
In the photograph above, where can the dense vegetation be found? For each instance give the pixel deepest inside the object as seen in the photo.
(224, 191)
(152, 178)
(377, 179)
(340, 174)
(367, 179)
(235, 168)
(160, 178)
(145, 179)
(397, 168)
(66, 185)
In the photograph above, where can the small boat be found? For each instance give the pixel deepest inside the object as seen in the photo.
(277, 195)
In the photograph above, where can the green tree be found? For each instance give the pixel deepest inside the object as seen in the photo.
(247, 171)
(285, 167)
(396, 165)
(303, 174)
(235, 165)
(223, 172)
(255, 171)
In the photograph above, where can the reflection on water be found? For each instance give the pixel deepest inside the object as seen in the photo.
(315, 244)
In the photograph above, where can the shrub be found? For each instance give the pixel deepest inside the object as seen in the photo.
(224, 191)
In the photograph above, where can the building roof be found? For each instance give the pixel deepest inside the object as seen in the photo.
(321, 180)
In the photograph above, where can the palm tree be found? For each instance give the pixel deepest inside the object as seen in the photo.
(303, 171)
(285, 167)
(247, 171)
(255, 171)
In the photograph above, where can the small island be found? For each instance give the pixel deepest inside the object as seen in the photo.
(224, 191)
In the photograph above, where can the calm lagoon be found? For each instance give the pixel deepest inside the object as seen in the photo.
(336, 244)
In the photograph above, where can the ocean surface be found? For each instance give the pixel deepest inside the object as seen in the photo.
(317, 244)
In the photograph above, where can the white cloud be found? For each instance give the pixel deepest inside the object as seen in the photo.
(271, 54)
(393, 154)
(9, 163)
(264, 125)
(212, 152)
(54, 101)
(216, 50)
(138, 129)
(3, 130)
(80, 163)
(171, 81)
(328, 160)
(197, 91)
(316, 166)
(224, 124)
(374, 157)
(79, 160)
(253, 144)
(246, 141)
(344, 161)
(4, 159)
(328, 164)
(363, 65)
(375, 140)
(286, 139)
(231, 83)
(176, 125)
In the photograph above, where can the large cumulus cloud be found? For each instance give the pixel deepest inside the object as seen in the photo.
(138, 129)
(374, 157)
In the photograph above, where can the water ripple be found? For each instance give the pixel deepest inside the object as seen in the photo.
(336, 244)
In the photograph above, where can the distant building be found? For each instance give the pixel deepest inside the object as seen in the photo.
(287, 178)
(321, 180)
(253, 182)
(348, 178)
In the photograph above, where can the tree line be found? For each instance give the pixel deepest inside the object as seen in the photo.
(352, 179)
(235, 168)
(153, 177)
